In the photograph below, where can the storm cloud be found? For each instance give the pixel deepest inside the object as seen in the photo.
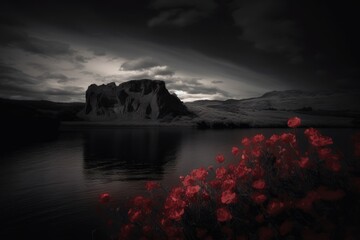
(202, 49)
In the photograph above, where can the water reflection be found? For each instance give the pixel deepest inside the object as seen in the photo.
(129, 154)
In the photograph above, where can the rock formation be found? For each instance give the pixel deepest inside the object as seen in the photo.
(132, 100)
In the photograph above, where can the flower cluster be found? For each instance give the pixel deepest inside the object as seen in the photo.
(271, 189)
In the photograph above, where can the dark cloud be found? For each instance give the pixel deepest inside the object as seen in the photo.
(61, 78)
(139, 64)
(217, 81)
(267, 26)
(82, 59)
(98, 52)
(37, 66)
(21, 40)
(181, 13)
(15, 83)
(12, 76)
(266, 45)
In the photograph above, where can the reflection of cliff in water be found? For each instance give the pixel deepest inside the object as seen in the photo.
(129, 154)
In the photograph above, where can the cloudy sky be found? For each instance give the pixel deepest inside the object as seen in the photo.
(203, 49)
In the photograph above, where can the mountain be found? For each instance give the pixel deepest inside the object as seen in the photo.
(135, 100)
(28, 121)
(324, 109)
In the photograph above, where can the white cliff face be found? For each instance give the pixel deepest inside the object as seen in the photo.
(132, 101)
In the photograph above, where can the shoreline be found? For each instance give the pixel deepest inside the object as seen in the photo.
(80, 125)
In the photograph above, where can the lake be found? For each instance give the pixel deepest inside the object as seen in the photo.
(50, 190)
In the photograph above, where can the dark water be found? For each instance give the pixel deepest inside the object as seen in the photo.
(50, 190)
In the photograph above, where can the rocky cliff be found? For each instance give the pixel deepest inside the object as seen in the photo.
(132, 100)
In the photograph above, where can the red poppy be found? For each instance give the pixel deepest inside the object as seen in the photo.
(220, 172)
(288, 138)
(324, 153)
(151, 185)
(258, 197)
(258, 138)
(192, 190)
(273, 139)
(275, 207)
(256, 152)
(147, 229)
(175, 213)
(259, 184)
(235, 151)
(205, 195)
(228, 197)
(316, 139)
(228, 184)
(305, 203)
(220, 158)
(126, 230)
(304, 162)
(294, 122)
(134, 215)
(188, 180)
(333, 164)
(223, 215)
(245, 141)
(104, 198)
(199, 174)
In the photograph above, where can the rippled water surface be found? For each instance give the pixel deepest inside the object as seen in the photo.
(50, 190)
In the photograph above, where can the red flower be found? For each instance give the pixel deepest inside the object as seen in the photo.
(188, 180)
(275, 207)
(147, 229)
(192, 190)
(216, 183)
(333, 164)
(223, 215)
(324, 153)
(205, 195)
(134, 215)
(151, 185)
(258, 198)
(228, 197)
(265, 233)
(259, 184)
(245, 141)
(104, 198)
(294, 122)
(235, 151)
(305, 204)
(304, 162)
(175, 213)
(199, 174)
(220, 172)
(286, 227)
(126, 230)
(258, 138)
(228, 184)
(220, 158)
(316, 139)
(256, 152)
(288, 137)
(273, 139)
